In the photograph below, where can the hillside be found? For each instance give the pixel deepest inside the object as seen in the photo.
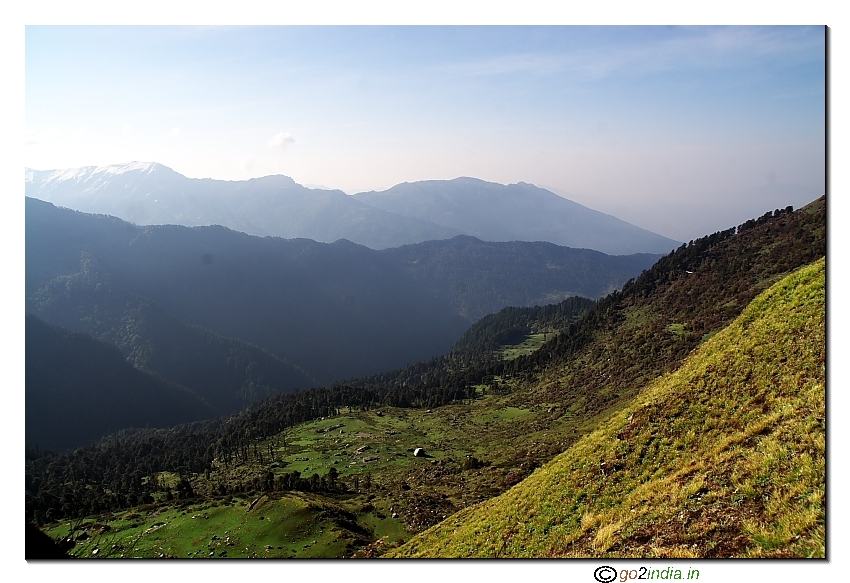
(722, 458)
(79, 389)
(332, 311)
(481, 277)
(228, 374)
(524, 212)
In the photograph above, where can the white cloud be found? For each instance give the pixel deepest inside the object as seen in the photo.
(175, 133)
(31, 139)
(78, 133)
(125, 130)
(247, 164)
(281, 140)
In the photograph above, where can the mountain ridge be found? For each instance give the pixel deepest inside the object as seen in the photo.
(148, 193)
(518, 211)
(335, 310)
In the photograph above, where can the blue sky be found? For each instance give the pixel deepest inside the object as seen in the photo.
(681, 130)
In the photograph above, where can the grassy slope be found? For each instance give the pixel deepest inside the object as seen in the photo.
(292, 525)
(724, 457)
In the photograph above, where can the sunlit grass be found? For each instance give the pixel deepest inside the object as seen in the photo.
(724, 457)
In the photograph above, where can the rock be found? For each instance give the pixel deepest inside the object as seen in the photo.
(419, 452)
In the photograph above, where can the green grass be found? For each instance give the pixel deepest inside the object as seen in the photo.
(676, 329)
(724, 457)
(529, 345)
(291, 525)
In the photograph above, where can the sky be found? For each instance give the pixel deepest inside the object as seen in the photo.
(683, 130)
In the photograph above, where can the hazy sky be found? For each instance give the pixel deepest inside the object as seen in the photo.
(681, 130)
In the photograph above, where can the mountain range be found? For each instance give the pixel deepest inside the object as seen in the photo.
(152, 194)
(235, 318)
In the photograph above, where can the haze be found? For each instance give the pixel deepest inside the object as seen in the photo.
(679, 130)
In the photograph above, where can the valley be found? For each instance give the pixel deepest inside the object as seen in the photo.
(523, 387)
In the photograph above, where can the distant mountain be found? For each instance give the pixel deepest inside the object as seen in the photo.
(480, 277)
(333, 310)
(515, 212)
(79, 389)
(152, 194)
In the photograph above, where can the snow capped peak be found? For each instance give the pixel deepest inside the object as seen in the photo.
(86, 173)
(146, 167)
(69, 174)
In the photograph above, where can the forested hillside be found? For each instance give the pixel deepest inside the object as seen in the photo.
(79, 389)
(327, 311)
(227, 373)
(481, 278)
(595, 364)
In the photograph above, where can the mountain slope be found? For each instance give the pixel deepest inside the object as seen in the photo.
(724, 457)
(482, 277)
(227, 373)
(524, 212)
(152, 194)
(79, 389)
(334, 310)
